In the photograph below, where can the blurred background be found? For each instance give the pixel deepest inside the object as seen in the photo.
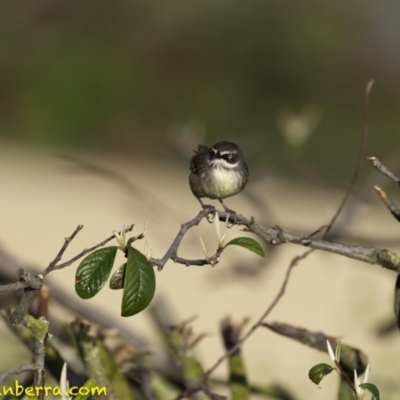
(134, 87)
(276, 76)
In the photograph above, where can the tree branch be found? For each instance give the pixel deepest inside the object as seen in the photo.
(20, 370)
(53, 265)
(276, 235)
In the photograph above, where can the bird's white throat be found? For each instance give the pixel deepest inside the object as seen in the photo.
(220, 163)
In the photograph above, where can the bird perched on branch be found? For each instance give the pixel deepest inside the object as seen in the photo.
(218, 172)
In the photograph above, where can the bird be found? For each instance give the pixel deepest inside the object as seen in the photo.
(218, 172)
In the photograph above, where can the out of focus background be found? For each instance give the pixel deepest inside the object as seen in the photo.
(129, 76)
(133, 87)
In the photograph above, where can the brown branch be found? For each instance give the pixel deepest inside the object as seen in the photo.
(277, 236)
(39, 355)
(384, 170)
(173, 249)
(53, 266)
(200, 384)
(16, 371)
(360, 158)
(67, 241)
(394, 210)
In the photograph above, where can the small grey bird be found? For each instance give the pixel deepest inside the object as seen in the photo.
(218, 172)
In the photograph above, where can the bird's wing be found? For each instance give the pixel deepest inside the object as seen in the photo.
(198, 159)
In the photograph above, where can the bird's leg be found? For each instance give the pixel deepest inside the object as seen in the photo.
(203, 206)
(225, 206)
(210, 215)
(231, 212)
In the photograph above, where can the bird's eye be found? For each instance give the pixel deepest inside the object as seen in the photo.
(229, 156)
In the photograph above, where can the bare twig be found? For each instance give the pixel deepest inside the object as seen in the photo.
(173, 249)
(16, 371)
(360, 159)
(276, 235)
(67, 241)
(211, 395)
(39, 354)
(394, 210)
(53, 266)
(196, 387)
(384, 170)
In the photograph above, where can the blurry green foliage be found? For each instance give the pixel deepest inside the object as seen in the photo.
(100, 73)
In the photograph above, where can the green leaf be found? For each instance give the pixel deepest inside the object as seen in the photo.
(317, 372)
(238, 382)
(89, 384)
(372, 389)
(118, 278)
(93, 271)
(247, 243)
(140, 283)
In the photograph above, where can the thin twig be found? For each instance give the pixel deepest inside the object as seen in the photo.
(15, 371)
(53, 267)
(361, 156)
(277, 236)
(67, 241)
(39, 355)
(11, 287)
(394, 210)
(384, 170)
(198, 385)
(171, 253)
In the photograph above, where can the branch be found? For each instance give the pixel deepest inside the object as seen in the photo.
(67, 241)
(20, 370)
(384, 170)
(26, 279)
(360, 158)
(200, 384)
(53, 265)
(173, 249)
(394, 210)
(276, 235)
